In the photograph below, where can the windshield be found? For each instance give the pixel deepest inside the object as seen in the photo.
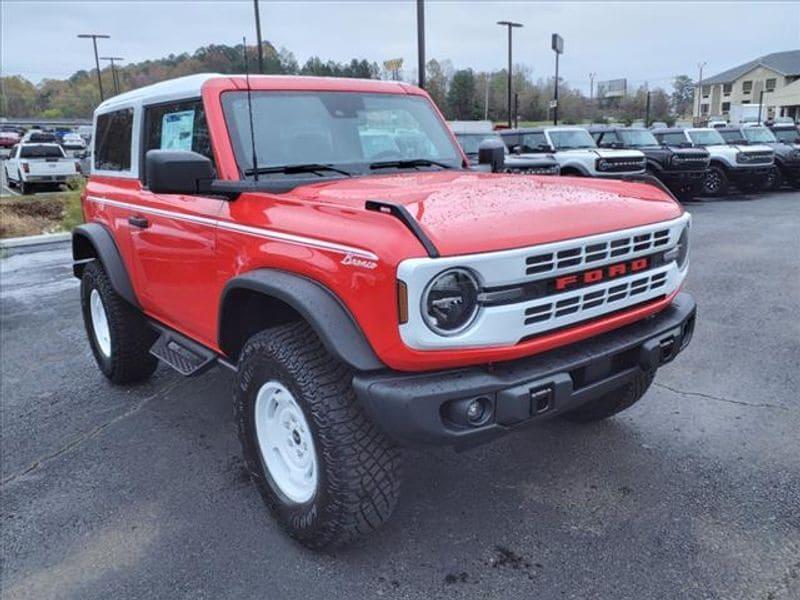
(706, 137)
(732, 137)
(571, 139)
(758, 135)
(40, 152)
(637, 138)
(471, 141)
(350, 130)
(533, 142)
(787, 136)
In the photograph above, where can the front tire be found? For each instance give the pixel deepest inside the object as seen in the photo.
(613, 402)
(774, 179)
(325, 471)
(716, 182)
(119, 336)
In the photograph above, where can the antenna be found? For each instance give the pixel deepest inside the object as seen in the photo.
(250, 109)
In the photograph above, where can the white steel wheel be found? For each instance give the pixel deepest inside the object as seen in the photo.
(102, 332)
(285, 442)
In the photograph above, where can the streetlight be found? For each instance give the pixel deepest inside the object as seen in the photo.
(700, 89)
(591, 85)
(258, 39)
(114, 76)
(557, 45)
(510, 25)
(421, 42)
(94, 37)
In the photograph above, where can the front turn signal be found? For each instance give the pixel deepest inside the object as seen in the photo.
(402, 302)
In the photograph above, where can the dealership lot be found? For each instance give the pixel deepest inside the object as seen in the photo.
(695, 492)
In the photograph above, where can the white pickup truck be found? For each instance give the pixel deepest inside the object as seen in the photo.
(32, 165)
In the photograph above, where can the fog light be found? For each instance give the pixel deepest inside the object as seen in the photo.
(475, 411)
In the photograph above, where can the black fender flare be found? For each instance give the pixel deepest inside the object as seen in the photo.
(578, 167)
(654, 166)
(92, 241)
(316, 304)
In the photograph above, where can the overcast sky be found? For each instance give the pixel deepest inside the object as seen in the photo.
(638, 40)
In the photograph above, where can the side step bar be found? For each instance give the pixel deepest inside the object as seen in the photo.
(186, 356)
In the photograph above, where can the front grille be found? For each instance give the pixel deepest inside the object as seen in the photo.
(578, 302)
(620, 165)
(593, 253)
(759, 157)
(690, 161)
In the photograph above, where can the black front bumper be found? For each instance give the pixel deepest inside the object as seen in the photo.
(752, 175)
(683, 181)
(423, 408)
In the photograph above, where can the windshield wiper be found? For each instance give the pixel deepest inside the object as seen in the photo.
(303, 168)
(410, 162)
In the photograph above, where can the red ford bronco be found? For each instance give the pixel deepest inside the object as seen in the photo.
(325, 240)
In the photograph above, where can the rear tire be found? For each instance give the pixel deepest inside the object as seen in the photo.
(613, 402)
(25, 188)
(716, 183)
(119, 336)
(297, 413)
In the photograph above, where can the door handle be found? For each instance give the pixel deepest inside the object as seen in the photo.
(139, 222)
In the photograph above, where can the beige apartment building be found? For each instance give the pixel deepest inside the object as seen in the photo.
(776, 74)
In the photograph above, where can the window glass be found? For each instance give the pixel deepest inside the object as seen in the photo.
(534, 142)
(41, 151)
(178, 126)
(675, 138)
(571, 139)
(731, 137)
(759, 135)
(770, 84)
(706, 137)
(726, 107)
(470, 142)
(638, 138)
(727, 88)
(335, 128)
(608, 138)
(113, 136)
(787, 136)
(747, 87)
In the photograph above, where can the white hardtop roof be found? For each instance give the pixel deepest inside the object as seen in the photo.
(172, 89)
(464, 127)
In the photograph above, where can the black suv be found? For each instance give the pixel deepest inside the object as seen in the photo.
(681, 169)
(787, 156)
(542, 164)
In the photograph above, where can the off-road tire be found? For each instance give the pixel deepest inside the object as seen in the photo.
(359, 468)
(716, 183)
(613, 402)
(131, 337)
(774, 180)
(25, 188)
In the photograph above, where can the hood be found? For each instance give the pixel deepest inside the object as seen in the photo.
(614, 153)
(465, 212)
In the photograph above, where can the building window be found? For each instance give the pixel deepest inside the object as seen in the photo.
(726, 107)
(747, 87)
(745, 101)
(112, 144)
(706, 91)
(704, 109)
(727, 88)
(771, 83)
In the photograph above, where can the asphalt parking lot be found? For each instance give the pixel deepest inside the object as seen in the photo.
(694, 493)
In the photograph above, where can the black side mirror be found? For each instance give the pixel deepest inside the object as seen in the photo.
(492, 153)
(177, 171)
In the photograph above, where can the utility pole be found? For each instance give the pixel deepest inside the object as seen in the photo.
(421, 42)
(258, 40)
(94, 37)
(760, 105)
(114, 76)
(647, 110)
(557, 45)
(510, 25)
(486, 100)
(591, 85)
(700, 89)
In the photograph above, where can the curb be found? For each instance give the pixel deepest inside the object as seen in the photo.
(35, 243)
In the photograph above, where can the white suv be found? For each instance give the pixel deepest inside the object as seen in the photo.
(575, 150)
(747, 167)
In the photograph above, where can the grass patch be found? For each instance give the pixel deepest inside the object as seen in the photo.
(42, 213)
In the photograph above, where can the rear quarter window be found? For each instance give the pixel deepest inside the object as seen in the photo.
(113, 136)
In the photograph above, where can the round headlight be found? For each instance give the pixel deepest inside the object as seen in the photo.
(683, 248)
(450, 302)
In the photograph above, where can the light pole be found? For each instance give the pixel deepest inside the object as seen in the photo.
(258, 39)
(510, 25)
(557, 45)
(421, 42)
(94, 37)
(700, 89)
(114, 76)
(591, 85)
